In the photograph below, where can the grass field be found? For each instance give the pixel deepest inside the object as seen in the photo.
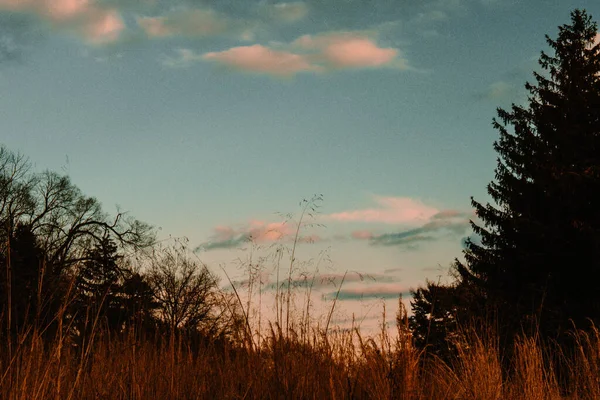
(338, 364)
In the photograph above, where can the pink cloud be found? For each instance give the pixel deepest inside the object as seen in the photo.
(194, 22)
(94, 23)
(310, 53)
(349, 50)
(358, 53)
(391, 210)
(393, 288)
(223, 232)
(310, 238)
(261, 59)
(154, 26)
(362, 235)
(105, 28)
(268, 232)
(256, 231)
(64, 9)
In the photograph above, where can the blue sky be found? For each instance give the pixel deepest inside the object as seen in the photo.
(205, 118)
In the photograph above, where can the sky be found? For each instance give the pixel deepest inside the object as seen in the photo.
(213, 120)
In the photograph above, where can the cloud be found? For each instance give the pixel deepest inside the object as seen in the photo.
(262, 60)
(443, 223)
(331, 281)
(391, 210)
(184, 22)
(285, 12)
(429, 16)
(311, 53)
(339, 50)
(17, 31)
(183, 58)
(369, 292)
(410, 239)
(93, 22)
(393, 270)
(227, 237)
(498, 91)
(361, 235)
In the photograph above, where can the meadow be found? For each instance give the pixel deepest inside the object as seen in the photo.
(301, 362)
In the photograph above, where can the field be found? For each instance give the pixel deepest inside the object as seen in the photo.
(296, 364)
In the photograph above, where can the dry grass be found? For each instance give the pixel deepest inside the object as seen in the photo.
(336, 365)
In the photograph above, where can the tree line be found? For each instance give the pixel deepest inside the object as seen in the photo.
(70, 268)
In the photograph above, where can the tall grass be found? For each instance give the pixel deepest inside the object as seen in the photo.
(337, 364)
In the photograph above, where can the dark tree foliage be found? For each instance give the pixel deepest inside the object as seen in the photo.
(538, 264)
(98, 282)
(36, 289)
(109, 295)
(139, 303)
(438, 311)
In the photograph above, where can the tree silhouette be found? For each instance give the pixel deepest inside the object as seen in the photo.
(438, 312)
(538, 261)
(537, 266)
(98, 287)
(48, 228)
(184, 290)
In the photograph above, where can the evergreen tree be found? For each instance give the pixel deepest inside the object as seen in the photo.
(139, 305)
(538, 263)
(438, 312)
(98, 287)
(26, 260)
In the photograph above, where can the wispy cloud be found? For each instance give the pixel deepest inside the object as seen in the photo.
(285, 12)
(391, 210)
(361, 235)
(228, 237)
(96, 23)
(185, 22)
(330, 281)
(442, 224)
(182, 58)
(498, 91)
(369, 292)
(17, 31)
(393, 270)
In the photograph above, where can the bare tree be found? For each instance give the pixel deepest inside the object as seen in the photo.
(64, 222)
(68, 221)
(186, 292)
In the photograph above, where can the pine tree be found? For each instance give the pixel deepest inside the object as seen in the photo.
(98, 287)
(538, 264)
(437, 311)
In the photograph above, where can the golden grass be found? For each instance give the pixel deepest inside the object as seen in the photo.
(336, 365)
